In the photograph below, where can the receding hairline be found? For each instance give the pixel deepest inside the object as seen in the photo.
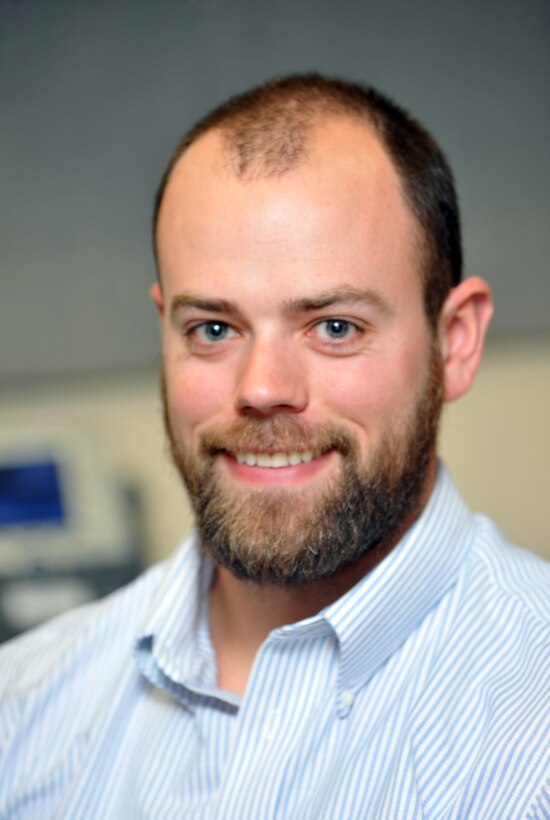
(269, 154)
(267, 130)
(316, 126)
(280, 139)
(270, 133)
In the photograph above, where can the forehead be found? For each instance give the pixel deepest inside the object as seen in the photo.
(340, 147)
(340, 208)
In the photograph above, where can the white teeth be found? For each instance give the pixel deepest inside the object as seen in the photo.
(279, 460)
(263, 460)
(275, 460)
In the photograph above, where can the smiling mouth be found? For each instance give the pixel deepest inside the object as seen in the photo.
(276, 460)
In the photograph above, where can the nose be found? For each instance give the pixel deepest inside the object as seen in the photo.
(272, 379)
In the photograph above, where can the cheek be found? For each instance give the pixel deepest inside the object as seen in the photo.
(371, 391)
(195, 396)
(357, 388)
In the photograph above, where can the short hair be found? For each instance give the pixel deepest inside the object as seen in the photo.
(266, 132)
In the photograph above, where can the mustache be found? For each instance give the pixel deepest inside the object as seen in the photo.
(281, 433)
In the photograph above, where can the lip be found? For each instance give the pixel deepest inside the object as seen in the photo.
(280, 476)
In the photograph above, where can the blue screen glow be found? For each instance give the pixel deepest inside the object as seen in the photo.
(30, 494)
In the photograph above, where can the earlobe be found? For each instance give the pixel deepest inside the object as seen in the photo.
(157, 297)
(463, 323)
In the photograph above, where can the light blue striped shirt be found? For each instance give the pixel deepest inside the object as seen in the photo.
(422, 693)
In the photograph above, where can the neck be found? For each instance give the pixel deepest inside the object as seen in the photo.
(243, 613)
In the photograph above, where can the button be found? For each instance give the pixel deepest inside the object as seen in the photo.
(347, 698)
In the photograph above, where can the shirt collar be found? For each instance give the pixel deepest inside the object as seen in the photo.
(370, 621)
(375, 617)
(172, 647)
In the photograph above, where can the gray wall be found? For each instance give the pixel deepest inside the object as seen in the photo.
(95, 93)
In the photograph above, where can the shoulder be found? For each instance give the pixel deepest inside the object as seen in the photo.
(29, 660)
(509, 575)
(498, 615)
(485, 709)
(69, 683)
(68, 665)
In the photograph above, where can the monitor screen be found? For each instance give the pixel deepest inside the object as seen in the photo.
(30, 494)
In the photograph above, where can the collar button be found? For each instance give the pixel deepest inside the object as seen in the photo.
(346, 700)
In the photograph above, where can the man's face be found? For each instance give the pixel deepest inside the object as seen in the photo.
(302, 383)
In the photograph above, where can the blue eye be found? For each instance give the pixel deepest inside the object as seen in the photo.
(213, 331)
(336, 328)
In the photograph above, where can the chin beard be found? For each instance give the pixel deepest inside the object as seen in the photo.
(282, 536)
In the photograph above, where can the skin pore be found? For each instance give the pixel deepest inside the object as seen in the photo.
(293, 322)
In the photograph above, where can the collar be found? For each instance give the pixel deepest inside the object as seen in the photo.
(370, 621)
(377, 615)
(172, 648)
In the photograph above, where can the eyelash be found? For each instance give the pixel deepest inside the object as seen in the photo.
(345, 323)
(196, 331)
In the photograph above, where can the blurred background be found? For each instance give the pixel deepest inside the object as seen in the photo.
(94, 95)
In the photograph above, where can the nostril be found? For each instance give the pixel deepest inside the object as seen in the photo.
(271, 383)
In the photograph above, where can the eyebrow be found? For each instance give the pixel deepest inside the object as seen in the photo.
(339, 295)
(208, 304)
(307, 304)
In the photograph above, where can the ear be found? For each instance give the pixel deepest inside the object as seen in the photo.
(157, 297)
(462, 326)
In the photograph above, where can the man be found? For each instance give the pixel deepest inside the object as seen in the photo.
(340, 638)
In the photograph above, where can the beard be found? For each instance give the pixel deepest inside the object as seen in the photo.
(290, 536)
